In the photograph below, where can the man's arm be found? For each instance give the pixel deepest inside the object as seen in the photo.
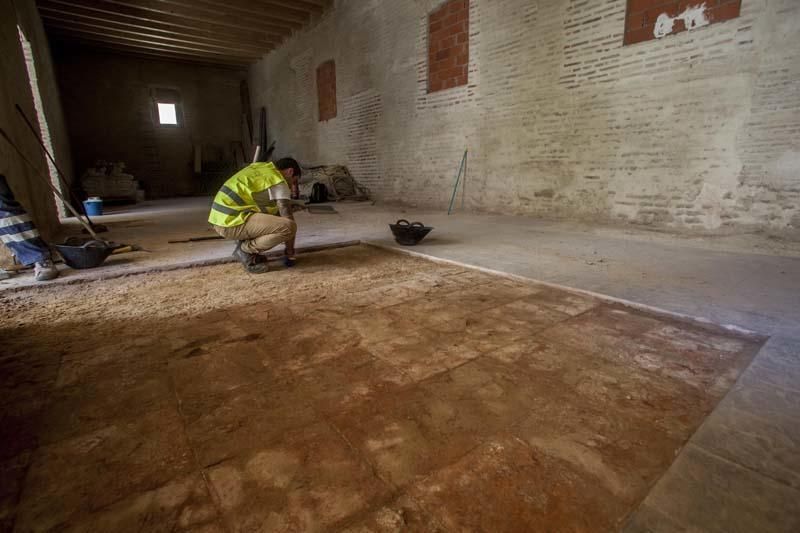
(285, 210)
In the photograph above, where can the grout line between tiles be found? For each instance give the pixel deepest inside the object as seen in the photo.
(733, 462)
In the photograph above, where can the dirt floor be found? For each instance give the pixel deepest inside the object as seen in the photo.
(362, 391)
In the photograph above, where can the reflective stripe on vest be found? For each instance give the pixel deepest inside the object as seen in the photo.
(232, 195)
(234, 202)
(224, 209)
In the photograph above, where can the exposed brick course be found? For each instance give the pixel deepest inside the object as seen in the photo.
(448, 46)
(699, 130)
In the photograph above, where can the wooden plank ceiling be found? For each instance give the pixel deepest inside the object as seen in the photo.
(227, 32)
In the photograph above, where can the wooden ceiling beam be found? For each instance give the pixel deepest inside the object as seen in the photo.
(135, 9)
(305, 6)
(151, 44)
(312, 5)
(80, 15)
(190, 9)
(249, 8)
(116, 49)
(299, 5)
(110, 28)
(93, 41)
(218, 31)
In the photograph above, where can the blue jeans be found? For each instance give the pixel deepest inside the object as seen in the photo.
(17, 230)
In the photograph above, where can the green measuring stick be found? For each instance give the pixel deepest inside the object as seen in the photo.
(458, 179)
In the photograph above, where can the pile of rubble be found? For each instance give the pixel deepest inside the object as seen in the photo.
(337, 179)
(109, 181)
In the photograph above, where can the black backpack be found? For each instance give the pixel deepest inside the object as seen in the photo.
(319, 193)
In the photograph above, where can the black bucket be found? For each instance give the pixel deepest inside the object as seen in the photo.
(79, 253)
(409, 233)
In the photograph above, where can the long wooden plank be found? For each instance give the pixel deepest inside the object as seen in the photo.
(318, 5)
(82, 15)
(299, 5)
(108, 29)
(248, 8)
(142, 17)
(118, 49)
(220, 57)
(131, 10)
(190, 9)
(137, 41)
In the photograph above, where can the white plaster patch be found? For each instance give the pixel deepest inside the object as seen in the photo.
(664, 25)
(786, 168)
(693, 17)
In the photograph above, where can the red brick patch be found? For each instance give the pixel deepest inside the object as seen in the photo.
(448, 46)
(326, 90)
(642, 15)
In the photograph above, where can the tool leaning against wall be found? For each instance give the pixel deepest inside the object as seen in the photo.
(77, 252)
(98, 228)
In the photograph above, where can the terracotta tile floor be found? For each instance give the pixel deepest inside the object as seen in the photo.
(361, 391)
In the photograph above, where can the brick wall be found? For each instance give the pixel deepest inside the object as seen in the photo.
(652, 19)
(160, 158)
(700, 130)
(326, 90)
(15, 89)
(448, 46)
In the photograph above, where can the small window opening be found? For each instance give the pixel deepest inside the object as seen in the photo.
(167, 115)
(167, 110)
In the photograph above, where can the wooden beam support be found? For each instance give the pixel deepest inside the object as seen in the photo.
(192, 10)
(85, 16)
(154, 46)
(313, 5)
(263, 10)
(73, 43)
(129, 9)
(218, 31)
(108, 28)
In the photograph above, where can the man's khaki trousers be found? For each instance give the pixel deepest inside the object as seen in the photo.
(260, 232)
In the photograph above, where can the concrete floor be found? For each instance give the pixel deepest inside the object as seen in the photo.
(741, 470)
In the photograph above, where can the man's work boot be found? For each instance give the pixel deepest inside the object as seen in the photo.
(45, 270)
(253, 263)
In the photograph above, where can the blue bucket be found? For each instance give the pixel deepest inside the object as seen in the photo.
(93, 206)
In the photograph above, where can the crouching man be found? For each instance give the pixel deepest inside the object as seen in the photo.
(246, 210)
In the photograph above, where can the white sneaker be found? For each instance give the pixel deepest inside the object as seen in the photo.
(45, 270)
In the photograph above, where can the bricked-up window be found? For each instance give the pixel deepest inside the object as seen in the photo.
(653, 19)
(448, 46)
(326, 90)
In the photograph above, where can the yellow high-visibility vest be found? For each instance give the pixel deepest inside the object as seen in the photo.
(234, 202)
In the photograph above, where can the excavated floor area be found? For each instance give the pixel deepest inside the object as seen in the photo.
(359, 391)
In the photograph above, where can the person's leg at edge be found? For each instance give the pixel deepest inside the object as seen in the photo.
(19, 234)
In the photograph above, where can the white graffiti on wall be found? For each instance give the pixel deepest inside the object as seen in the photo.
(692, 17)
